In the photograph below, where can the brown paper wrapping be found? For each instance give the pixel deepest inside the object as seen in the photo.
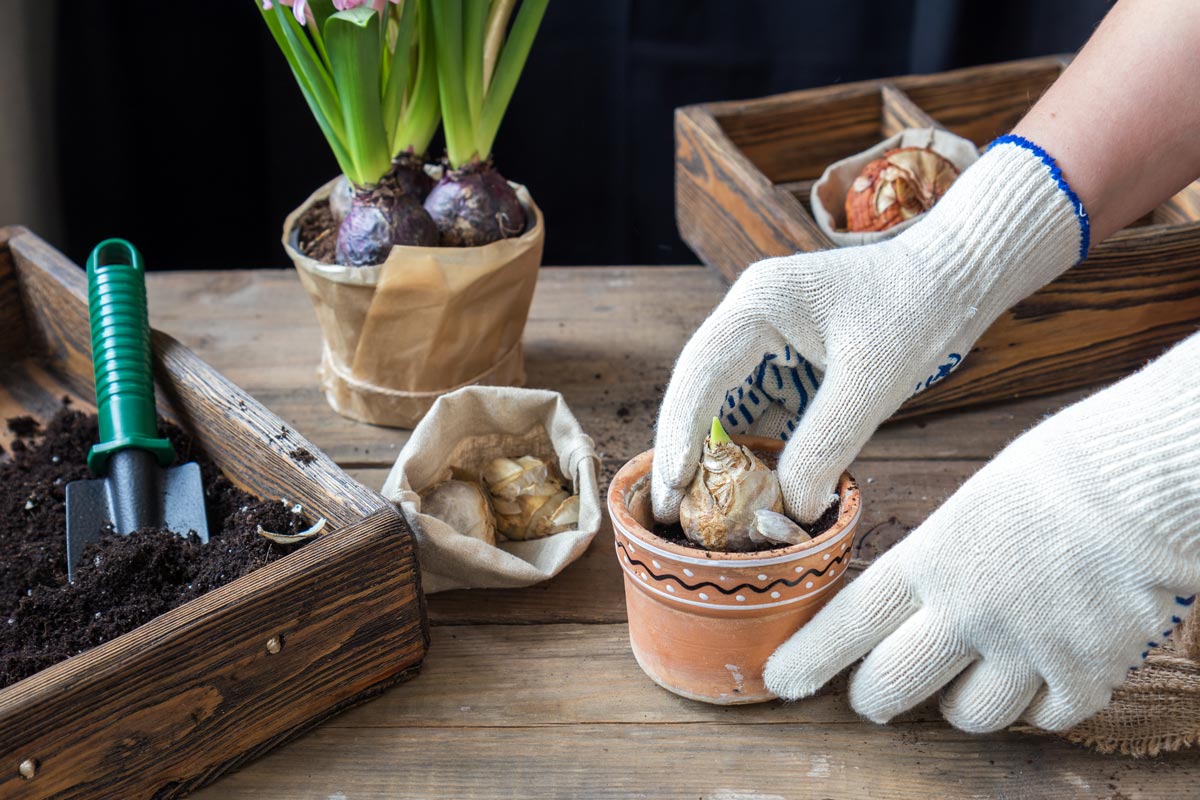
(427, 321)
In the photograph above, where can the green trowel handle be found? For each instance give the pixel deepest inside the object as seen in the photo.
(121, 355)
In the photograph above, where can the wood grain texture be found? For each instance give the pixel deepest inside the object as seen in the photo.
(715, 185)
(564, 711)
(982, 103)
(176, 702)
(701, 760)
(603, 336)
(900, 112)
(797, 140)
(533, 692)
(1134, 295)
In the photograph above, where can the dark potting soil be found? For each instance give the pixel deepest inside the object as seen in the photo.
(674, 533)
(124, 581)
(318, 233)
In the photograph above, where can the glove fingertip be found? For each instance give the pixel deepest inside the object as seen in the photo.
(806, 500)
(665, 502)
(787, 677)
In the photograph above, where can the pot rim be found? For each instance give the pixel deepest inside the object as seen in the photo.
(638, 469)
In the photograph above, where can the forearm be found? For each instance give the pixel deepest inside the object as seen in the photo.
(1122, 120)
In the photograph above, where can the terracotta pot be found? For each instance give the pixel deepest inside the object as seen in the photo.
(703, 624)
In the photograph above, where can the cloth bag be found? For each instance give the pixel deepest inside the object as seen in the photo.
(828, 196)
(427, 321)
(464, 431)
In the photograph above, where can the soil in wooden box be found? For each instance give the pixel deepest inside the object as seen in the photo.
(124, 581)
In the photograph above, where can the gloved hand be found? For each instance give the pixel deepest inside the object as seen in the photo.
(871, 325)
(1041, 581)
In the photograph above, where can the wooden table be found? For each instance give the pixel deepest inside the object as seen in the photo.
(534, 693)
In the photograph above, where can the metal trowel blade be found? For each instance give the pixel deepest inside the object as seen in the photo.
(94, 504)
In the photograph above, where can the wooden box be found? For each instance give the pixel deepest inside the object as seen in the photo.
(175, 703)
(743, 172)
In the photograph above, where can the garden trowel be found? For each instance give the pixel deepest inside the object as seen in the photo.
(139, 488)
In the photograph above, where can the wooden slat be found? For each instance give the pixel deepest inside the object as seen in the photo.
(1181, 209)
(900, 112)
(521, 660)
(984, 102)
(798, 140)
(1136, 295)
(258, 329)
(711, 761)
(715, 184)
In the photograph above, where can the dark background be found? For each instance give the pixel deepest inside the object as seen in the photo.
(180, 127)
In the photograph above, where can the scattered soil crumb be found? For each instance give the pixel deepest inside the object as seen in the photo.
(24, 427)
(124, 581)
(302, 456)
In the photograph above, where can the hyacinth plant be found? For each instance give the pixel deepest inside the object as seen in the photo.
(369, 75)
(479, 60)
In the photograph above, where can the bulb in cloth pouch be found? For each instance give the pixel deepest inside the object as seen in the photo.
(464, 507)
(903, 183)
(529, 502)
(718, 512)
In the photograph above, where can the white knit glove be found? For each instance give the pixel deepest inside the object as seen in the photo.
(1050, 573)
(870, 325)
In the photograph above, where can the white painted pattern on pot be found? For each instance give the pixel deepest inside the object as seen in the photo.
(725, 607)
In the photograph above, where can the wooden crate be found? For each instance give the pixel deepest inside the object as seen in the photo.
(175, 703)
(743, 172)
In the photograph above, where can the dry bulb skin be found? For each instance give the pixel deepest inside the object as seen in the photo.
(529, 501)
(903, 183)
(735, 503)
(464, 507)
(517, 498)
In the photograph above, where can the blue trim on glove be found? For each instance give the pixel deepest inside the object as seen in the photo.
(1085, 226)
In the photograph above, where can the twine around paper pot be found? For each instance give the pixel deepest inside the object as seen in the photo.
(429, 320)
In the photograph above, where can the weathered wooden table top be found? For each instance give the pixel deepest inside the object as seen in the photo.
(534, 693)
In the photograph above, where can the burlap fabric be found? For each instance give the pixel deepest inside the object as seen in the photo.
(427, 321)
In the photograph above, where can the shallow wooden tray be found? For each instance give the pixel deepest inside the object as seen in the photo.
(743, 172)
(175, 703)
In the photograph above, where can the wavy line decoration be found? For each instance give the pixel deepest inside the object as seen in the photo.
(808, 573)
